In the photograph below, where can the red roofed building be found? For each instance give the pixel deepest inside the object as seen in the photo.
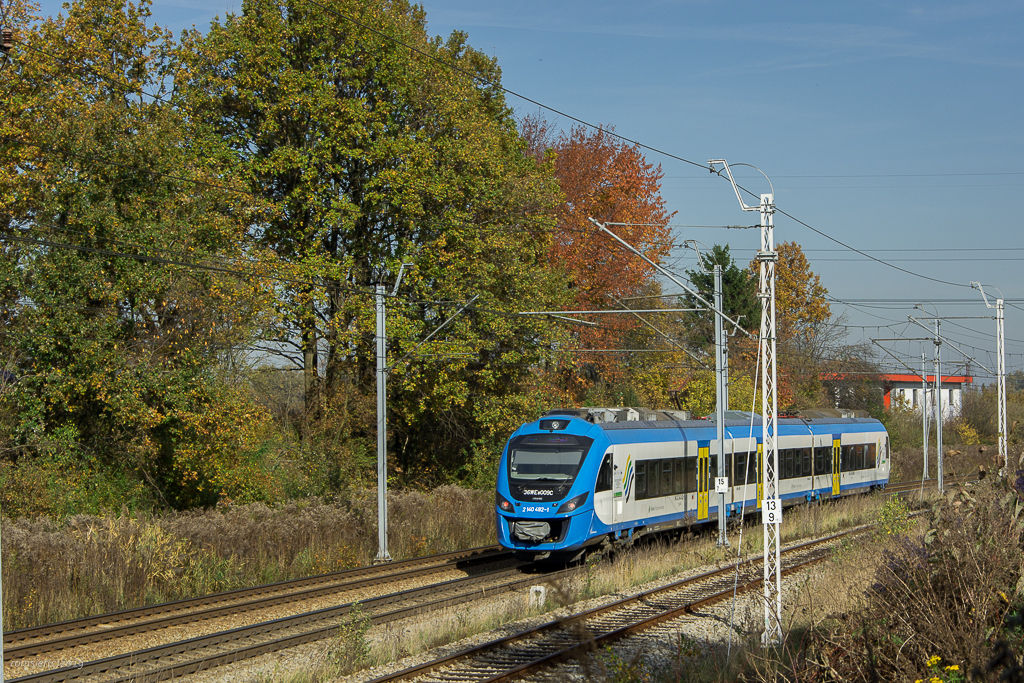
(909, 389)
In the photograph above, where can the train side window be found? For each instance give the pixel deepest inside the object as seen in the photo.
(712, 469)
(844, 458)
(604, 475)
(666, 478)
(823, 460)
(805, 457)
(679, 482)
(872, 457)
(691, 475)
(740, 460)
(641, 480)
(787, 464)
(653, 478)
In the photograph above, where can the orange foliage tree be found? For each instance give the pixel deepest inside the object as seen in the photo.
(604, 178)
(805, 339)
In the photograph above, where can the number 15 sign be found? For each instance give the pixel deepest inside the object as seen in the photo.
(771, 511)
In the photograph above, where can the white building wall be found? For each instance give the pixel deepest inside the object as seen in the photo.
(952, 399)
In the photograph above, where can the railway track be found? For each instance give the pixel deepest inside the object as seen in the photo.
(179, 658)
(557, 641)
(929, 484)
(194, 654)
(25, 646)
(34, 641)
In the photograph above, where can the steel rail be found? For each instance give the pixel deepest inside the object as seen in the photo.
(164, 672)
(67, 642)
(578, 619)
(336, 580)
(464, 590)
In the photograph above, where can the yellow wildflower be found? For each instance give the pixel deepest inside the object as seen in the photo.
(935, 659)
(935, 679)
(954, 667)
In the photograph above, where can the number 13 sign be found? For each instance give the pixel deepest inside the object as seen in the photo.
(771, 511)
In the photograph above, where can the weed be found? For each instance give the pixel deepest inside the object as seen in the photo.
(893, 518)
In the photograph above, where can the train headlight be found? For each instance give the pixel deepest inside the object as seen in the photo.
(503, 504)
(573, 504)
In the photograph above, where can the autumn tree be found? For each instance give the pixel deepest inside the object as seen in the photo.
(372, 146)
(806, 337)
(603, 178)
(118, 250)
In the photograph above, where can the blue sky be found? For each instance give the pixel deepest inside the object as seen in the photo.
(892, 127)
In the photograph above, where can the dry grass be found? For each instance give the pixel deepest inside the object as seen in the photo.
(638, 566)
(945, 602)
(90, 565)
(959, 459)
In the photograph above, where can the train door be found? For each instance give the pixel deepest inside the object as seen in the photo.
(835, 464)
(760, 473)
(604, 490)
(726, 467)
(619, 474)
(703, 478)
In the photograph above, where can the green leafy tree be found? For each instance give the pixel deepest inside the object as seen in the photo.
(117, 341)
(739, 295)
(373, 145)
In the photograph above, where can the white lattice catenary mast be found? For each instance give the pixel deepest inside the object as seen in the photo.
(771, 507)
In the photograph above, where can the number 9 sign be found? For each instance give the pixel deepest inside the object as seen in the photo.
(771, 511)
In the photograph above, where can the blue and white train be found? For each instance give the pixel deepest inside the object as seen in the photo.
(570, 481)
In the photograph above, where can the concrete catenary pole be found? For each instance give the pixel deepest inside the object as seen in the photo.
(1000, 376)
(382, 430)
(938, 404)
(720, 406)
(924, 409)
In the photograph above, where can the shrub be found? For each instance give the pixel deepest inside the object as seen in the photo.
(951, 598)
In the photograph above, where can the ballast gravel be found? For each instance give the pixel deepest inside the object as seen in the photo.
(663, 648)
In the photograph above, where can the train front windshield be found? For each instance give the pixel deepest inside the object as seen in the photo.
(546, 458)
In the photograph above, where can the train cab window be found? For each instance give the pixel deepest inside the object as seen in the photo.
(691, 474)
(678, 480)
(604, 475)
(666, 478)
(805, 462)
(641, 480)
